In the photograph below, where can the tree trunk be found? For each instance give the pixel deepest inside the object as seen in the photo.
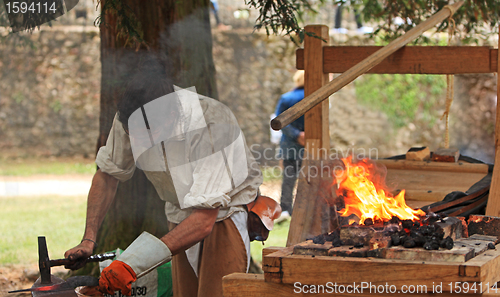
(179, 31)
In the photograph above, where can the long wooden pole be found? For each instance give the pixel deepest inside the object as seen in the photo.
(321, 94)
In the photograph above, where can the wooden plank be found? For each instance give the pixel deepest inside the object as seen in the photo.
(243, 285)
(457, 254)
(484, 268)
(271, 264)
(310, 206)
(485, 225)
(411, 59)
(493, 206)
(310, 248)
(322, 269)
(462, 167)
(425, 185)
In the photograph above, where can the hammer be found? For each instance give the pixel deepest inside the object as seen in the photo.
(44, 263)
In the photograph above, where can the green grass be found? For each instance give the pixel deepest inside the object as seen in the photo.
(22, 219)
(27, 167)
(277, 237)
(271, 173)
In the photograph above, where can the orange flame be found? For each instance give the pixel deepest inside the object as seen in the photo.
(367, 200)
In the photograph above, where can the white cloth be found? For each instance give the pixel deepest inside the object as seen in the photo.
(203, 167)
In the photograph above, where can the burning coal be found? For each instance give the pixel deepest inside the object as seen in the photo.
(364, 196)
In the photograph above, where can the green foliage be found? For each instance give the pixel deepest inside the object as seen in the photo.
(402, 97)
(476, 19)
(282, 16)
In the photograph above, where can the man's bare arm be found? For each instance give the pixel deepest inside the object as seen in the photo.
(101, 195)
(193, 229)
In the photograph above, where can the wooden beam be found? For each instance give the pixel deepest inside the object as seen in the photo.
(411, 59)
(461, 167)
(308, 204)
(493, 206)
(244, 284)
(316, 120)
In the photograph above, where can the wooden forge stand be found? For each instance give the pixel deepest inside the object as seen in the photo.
(284, 270)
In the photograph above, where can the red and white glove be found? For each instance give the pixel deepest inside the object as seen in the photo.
(118, 276)
(142, 256)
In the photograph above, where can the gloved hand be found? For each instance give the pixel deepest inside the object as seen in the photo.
(118, 276)
(142, 256)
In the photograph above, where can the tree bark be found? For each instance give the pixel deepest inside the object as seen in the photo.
(179, 32)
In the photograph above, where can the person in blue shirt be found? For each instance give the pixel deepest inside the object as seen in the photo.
(291, 144)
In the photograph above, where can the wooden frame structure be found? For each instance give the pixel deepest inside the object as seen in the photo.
(407, 60)
(318, 60)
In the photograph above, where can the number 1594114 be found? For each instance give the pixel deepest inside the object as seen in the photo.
(23, 7)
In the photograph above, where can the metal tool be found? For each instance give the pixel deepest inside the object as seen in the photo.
(70, 284)
(47, 283)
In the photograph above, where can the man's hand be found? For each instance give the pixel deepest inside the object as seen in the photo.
(118, 276)
(79, 253)
(302, 139)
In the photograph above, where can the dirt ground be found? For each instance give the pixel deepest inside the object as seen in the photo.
(16, 277)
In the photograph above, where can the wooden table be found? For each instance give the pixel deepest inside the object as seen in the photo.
(286, 274)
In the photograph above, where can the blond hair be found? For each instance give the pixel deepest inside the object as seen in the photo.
(298, 78)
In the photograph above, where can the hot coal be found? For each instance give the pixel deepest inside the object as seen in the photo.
(395, 240)
(395, 220)
(447, 243)
(407, 224)
(333, 237)
(368, 222)
(431, 245)
(409, 243)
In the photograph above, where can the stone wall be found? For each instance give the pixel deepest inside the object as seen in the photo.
(49, 94)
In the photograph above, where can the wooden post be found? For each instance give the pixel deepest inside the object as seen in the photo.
(493, 206)
(316, 120)
(308, 206)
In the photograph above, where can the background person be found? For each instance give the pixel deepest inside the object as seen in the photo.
(292, 143)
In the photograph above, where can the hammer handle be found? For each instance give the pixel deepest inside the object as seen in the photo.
(93, 258)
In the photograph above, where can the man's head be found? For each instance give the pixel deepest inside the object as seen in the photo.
(298, 78)
(149, 83)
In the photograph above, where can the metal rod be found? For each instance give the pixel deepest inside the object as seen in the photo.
(362, 67)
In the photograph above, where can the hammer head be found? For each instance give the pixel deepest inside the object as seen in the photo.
(43, 261)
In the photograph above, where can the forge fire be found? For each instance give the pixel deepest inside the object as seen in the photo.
(374, 219)
(365, 195)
